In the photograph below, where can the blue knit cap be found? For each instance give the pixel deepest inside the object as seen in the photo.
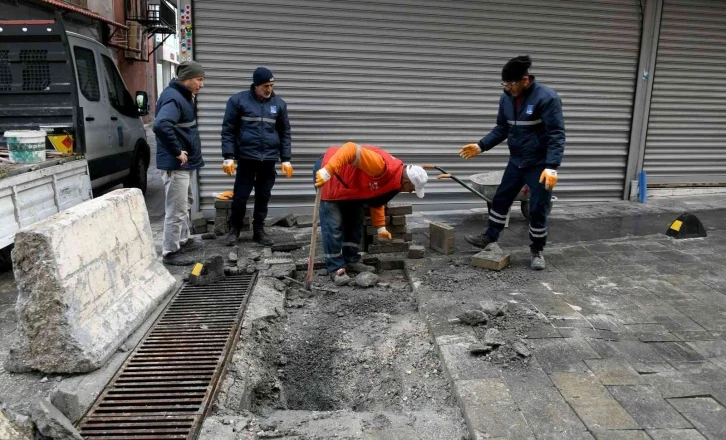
(262, 75)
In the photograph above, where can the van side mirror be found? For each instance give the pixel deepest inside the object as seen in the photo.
(142, 103)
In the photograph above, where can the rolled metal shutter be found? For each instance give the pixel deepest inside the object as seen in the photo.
(686, 141)
(421, 79)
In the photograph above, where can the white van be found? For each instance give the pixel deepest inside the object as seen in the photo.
(68, 85)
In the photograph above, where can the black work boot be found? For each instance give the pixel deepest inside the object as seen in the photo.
(262, 238)
(178, 259)
(480, 241)
(232, 237)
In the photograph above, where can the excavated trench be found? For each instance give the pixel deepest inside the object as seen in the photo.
(360, 357)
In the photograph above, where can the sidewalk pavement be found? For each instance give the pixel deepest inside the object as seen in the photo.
(626, 327)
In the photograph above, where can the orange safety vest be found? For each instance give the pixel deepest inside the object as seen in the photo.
(352, 183)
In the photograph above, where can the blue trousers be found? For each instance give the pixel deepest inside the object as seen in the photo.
(259, 175)
(341, 223)
(512, 182)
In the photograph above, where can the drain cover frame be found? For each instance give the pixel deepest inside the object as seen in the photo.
(166, 386)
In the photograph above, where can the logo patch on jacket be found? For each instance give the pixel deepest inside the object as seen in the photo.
(373, 186)
(273, 109)
(530, 109)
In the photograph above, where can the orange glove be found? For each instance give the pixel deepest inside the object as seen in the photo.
(321, 177)
(286, 168)
(469, 150)
(548, 178)
(228, 166)
(227, 195)
(383, 234)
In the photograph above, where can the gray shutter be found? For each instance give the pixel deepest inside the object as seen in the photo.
(686, 140)
(421, 79)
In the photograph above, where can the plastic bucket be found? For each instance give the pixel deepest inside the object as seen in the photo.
(26, 146)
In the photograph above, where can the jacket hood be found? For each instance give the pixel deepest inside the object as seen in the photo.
(181, 88)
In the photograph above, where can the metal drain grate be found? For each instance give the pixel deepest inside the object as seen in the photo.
(165, 387)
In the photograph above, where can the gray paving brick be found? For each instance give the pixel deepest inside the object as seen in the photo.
(592, 402)
(614, 371)
(621, 435)
(556, 355)
(705, 414)
(578, 332)
(700, 379)
(490, 411)
(542, 331)
(709, 349)
(677, 352)
(675, 434)
(640, 355)
(582, 348)
(648, 407)
(679, 322)
(459, 364)
(651, 333)
(702, 335)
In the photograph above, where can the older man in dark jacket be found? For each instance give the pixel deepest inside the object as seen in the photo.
(178, 155)
(256, 132)
(530, 118)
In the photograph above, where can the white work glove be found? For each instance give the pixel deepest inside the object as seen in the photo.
(383, 234)
(548, 178)
(321, 177)
(228, 166)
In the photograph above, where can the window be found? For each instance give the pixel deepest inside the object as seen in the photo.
(118, 96)
(87, 74)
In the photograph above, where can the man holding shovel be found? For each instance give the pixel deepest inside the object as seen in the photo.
(530, 118)
(349, 177)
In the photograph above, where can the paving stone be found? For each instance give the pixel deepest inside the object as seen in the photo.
(709, 349)
(648, 407)
(592, 402)
(703, 335)
(635, 434)
(699, 380)
(614, 371)
(576, 332)
(556, 355)
(542, 405)
(489, 410)
(643, 357)
(675, 434)
(582, 348)
(459, 364)
(676, 352)
(399, 209)
(706, 415)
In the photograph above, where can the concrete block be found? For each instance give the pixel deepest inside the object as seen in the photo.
(287, 221)
(399, 209)
(198, 219)
(87, 277)
(441, 238)
(416, 251)
(492, 258)
(222, 204)
(393, 246)
(52, 423)
(397, 220)
(304, 221)
(197, 230)
(401, 229)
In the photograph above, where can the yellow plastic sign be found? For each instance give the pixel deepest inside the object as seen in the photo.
(62, 143)
(676, 225)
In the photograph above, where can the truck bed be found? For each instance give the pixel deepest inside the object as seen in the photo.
(13, 169)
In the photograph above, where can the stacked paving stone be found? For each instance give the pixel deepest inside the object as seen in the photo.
(395, 224)
(223, 209)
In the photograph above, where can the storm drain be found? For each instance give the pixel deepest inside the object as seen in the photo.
(166, 386)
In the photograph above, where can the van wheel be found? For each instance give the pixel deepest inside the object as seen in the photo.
(6, 261)
(137, 178)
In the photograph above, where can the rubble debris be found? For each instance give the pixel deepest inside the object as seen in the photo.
(209, 236)
(471, 317)
(366, 279)
(304, 221)
(322, 272)
(493, 337)
(479, 349)
(232, 256)
(231, 270)
(286, 247)
(521, 349)
(493, 308)
(492, 258)
(287, 221)
(210, 272)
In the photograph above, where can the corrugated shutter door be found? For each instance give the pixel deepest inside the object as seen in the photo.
(421, 79)
(686, 140)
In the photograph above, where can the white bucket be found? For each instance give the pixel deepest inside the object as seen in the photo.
(26, 146)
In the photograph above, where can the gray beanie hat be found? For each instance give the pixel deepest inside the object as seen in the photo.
(189, 70)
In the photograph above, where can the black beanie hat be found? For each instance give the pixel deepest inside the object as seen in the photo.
(262, 75)
(516, 68)
(189, 70)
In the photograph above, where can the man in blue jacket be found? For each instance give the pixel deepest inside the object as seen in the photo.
(530, 118)
(178, 155)
(256, 132)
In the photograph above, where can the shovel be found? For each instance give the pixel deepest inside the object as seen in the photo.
(313, 240)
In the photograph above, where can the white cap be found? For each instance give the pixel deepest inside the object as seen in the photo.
(418, 177)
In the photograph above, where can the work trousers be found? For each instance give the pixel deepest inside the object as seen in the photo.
(178, 200)
(512, 182)
(259, 175)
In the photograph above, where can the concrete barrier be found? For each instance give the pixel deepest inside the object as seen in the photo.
(87, 277)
